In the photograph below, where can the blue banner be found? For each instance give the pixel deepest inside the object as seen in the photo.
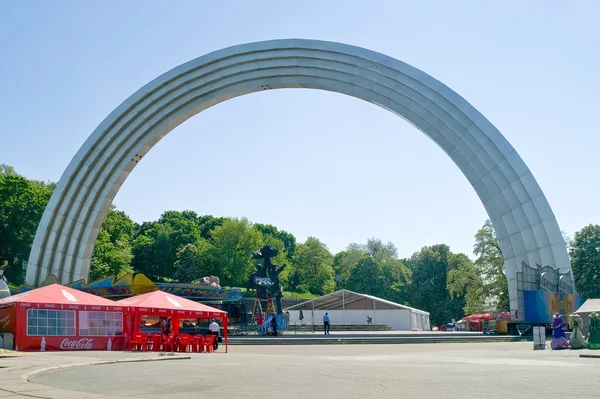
(540, 306)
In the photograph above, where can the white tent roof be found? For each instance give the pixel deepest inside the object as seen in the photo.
(591, 305)
(335, 299)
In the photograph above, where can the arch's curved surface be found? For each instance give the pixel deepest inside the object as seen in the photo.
(524, 223)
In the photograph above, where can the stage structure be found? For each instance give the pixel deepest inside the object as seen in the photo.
(522, 218)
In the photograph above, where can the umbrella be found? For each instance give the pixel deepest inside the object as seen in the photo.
(504, 316)
(487, 316)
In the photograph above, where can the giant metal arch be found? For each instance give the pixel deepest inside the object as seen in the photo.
(525, 225)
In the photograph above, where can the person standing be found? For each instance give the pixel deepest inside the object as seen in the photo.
(214, 329)
(326, 324)
(274, 325)
(167, 327)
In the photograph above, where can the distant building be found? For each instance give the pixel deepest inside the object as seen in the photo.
(352, 308)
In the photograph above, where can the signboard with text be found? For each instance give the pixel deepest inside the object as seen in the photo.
(540, 306)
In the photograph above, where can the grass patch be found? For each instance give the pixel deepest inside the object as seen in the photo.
(299, 295)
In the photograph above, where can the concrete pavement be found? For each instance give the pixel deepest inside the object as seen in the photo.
(17, 368)
(492, 370)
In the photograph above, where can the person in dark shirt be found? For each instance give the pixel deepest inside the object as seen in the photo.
(274, 325)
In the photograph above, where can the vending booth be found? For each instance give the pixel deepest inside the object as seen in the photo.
(56, 317)
(159, 305)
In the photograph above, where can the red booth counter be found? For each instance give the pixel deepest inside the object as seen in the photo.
(56, 317)
(163, 305)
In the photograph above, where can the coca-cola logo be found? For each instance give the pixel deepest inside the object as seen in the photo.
(82, 344)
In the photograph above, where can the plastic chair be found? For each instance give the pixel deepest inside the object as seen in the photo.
(157, 340)
(209, 343)
(140, 340)
(168, 341)
(184, 342)
(197, 343)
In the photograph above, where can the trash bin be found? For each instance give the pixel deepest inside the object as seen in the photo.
(502, 326)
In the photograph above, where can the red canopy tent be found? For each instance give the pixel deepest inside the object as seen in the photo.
(480, 317)
(55, 317)
(161, 304)
(476, 320)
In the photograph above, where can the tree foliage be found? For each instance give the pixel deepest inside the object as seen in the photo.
(314, 268)
(585, 261)
(373, 268)
(112, 252)
(22, 203)
(429, 288)
(345, 262)
(490, 266)
(233, 244)
(464, 280)
(193, 262)
(288, 240)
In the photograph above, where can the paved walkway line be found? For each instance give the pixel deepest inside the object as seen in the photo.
(14, 382)
(28, 375)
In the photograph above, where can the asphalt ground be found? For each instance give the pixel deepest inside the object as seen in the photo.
(479, 370)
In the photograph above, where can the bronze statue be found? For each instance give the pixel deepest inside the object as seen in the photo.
(274, 274)
(270, 269)
(259, 281)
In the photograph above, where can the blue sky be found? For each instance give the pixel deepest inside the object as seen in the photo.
(311, 162)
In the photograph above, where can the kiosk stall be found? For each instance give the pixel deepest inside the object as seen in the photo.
(56, 317)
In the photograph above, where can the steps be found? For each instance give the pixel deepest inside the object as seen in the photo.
(340, 327)
(369, 340)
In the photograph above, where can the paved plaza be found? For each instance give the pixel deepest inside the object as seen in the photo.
(492, 370)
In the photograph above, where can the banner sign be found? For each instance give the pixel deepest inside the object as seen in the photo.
(130, 285)
(540, 306)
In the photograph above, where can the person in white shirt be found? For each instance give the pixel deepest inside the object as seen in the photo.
(214, 329)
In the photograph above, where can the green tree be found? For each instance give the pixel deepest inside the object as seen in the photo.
(153, 252)
(155, 255)
(314, 267)
(381, 251)
(429, 286)
(193, 262)
(164, 250)
(585, 261)
(231, 252)
(112, 252)
(183, 229)
(144, 255)
(22, 203)
(345, 262)
(396, 278)
(7, 170)
(464, 280)
(365, 277)
(207, 223)
(288, 240)
(387, 279)
(490, 265)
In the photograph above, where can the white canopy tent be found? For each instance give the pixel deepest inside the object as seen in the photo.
(352, 308)
(589, 306)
